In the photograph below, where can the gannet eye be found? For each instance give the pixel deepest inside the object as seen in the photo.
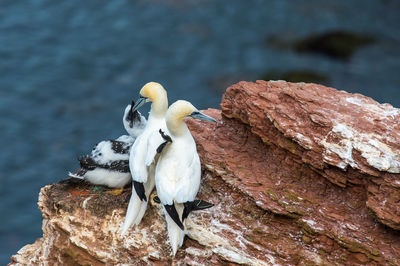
(143, 98)
(195, 113)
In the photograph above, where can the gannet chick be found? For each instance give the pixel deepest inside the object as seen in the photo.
(108, 163)
(178, 170)
(143, 154)
(133, 121)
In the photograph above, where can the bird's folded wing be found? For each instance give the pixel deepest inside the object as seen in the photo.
(137, 158)
(166, 173)
(189, 183)
(153, 142)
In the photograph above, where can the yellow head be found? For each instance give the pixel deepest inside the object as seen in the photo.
(152, 91)
(155, 93)
(177, 113)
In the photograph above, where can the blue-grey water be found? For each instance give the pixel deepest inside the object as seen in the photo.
(68, 69)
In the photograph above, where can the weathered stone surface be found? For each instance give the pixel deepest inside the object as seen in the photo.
(347, 138)
(281, 194)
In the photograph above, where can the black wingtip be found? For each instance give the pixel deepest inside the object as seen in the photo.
(171, 210)
(139, 188)
(165, 136)
(161, 147)
(201, 205)
(195, 206)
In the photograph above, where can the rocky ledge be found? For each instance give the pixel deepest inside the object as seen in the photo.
(299, 174)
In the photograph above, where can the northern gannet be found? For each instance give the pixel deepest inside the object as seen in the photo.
(143, 154)
(108, 163)
(134, 122)
(178, 170)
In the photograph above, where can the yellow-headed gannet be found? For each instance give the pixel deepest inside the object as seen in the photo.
(108, 163)
(143, 154)
(178, 170)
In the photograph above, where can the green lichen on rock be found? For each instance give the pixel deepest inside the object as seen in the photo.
(271, 194)
(306, 228)
(355, 246)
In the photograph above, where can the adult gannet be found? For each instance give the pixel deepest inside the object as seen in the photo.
(108, 163)
(143, 154)
(178, 170)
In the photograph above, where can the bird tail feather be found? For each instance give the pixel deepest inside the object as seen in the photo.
(175, 233)
(132, 212)
(75, 175)
(148, 187)
(143, 207)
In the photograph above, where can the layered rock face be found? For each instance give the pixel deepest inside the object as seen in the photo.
(299, 174)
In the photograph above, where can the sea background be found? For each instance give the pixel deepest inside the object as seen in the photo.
(69, 68)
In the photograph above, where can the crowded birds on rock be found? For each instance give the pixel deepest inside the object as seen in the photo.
(158, 152)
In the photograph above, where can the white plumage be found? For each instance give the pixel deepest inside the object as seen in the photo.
(109, 151)
(143, 154)
(178, 170)
(108, 163)
(106, 177)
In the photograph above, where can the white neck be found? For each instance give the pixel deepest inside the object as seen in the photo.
(178, 127)
(159, 105)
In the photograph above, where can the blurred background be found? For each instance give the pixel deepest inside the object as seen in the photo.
(69, 68)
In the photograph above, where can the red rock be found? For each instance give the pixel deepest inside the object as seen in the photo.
(283, 191)
(347, 138)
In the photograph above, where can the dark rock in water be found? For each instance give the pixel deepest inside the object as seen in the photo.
(337, 44)
(280, 41)
(298, 76)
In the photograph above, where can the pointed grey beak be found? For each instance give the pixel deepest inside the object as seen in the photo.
(201, 116)
(139, 102)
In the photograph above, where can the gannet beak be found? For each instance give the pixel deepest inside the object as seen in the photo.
(139, 102)
(132, 104)
(201, 116)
